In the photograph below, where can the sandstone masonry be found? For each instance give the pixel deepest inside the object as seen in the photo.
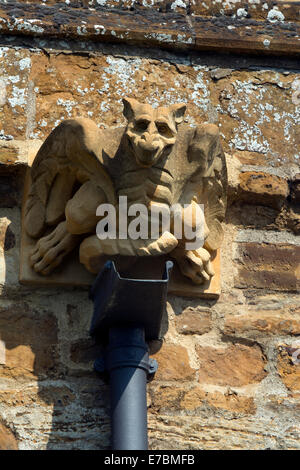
(227, 377)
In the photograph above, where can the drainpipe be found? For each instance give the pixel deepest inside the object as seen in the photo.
(127, 315)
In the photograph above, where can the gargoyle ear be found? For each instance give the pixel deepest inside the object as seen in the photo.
(178, 111)
(130, 107)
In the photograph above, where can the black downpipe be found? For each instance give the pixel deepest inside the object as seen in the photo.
(128, 366)
(127, 315)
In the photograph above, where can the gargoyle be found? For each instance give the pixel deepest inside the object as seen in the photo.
(153, 160)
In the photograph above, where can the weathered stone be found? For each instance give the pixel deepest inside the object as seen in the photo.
(173, 363)
(262, 188)
(84, 351)
(30, 340)
(293, 219)
(240, 9)
(169, 27)
(270, 254)
(234, 365)
(14, 84)
(256, 217)
(193, 399)
(93, 394)
(8, 155)
(277, 322)
(220, 433)
(66, 98)
(17, 398)
(194, 321)
(250, 158)
(156, 5)
(15, 153)
(42, 83)
(232, 402)
(282, 404)
(197, 397)
(289, 366)
(59, 396)
(166, 398)
(217, 74)
(249, 99)
(268, 266)
(223, 8)
(267, 280)
(295, 189)
(7, 439)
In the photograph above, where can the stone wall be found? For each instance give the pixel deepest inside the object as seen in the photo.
(228, 373)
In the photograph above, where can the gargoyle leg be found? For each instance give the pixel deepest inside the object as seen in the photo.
(92, 249)
(81, 218)
(195, 263)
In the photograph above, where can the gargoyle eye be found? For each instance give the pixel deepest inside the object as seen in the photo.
(141, 125)
(164, 129)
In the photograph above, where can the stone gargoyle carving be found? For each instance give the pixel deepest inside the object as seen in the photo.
(156, 159)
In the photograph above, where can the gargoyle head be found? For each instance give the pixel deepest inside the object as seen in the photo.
(151, 132)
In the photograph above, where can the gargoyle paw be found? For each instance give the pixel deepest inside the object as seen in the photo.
(50, 250)
(196, 265)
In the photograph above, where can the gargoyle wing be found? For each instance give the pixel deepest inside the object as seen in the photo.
(70, 156)
(209, 182)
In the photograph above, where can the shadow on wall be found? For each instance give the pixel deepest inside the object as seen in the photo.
(50, 397)
(48, 403)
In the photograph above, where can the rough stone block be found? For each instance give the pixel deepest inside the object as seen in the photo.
(236, 365)
(173, 363)
(268, 266)
(262, 188)
(194, 321)
(7, 438)
(233, 402)
(14, 92)
(289, 366)
(85, 351)
(295, 189)
(267, 322)
(30, 340)
(166, 398)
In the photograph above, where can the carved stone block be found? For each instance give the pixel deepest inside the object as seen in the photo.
(154, 164)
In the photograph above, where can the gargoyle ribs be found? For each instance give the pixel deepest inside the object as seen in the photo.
(155, 159)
